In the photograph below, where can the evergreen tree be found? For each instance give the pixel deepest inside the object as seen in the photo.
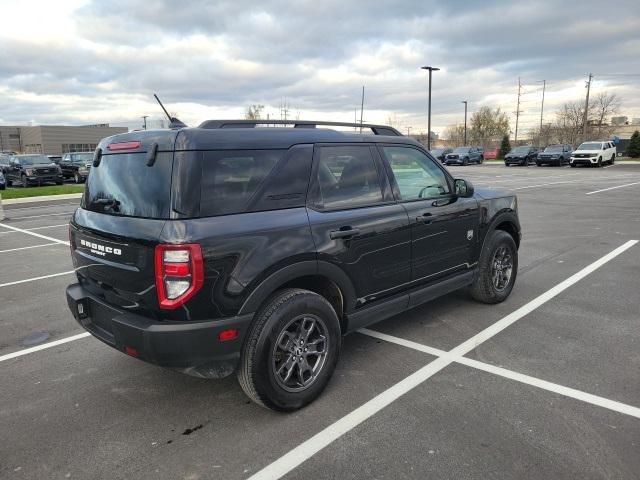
(505, 146)
(634, 145)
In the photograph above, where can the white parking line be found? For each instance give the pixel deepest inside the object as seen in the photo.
(613, 188)
(510, 374)
(35, 228)
(27, 248)
(40, 216)
(307, 449)
(29, 232)
(545, 184)
(44, 346)
(33, 279)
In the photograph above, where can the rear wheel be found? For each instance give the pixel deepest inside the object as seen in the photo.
(291, 350)
(613, 159)
(497, 269)
(465, 162)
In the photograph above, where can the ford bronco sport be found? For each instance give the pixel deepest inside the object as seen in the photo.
(231, 247)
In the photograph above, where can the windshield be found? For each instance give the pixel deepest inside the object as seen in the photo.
(33, 159)
(81, 157)
(437, 151)
(590, 146)
(461, 150)
(124, 185)
(520, 150)
(553, 148)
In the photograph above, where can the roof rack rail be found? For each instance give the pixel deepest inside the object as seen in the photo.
(376, 129)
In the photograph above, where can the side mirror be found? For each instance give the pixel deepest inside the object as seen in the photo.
(463, 188)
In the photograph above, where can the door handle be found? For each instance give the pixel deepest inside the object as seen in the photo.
(425, 218)
(344, 232)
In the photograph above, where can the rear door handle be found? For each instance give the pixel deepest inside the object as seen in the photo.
(425, 218)
(344, 232)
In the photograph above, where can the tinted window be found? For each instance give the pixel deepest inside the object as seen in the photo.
(231, 178)
(416, 174)
(33, 159)
(82, 157)
(348, 177)
(124, 185)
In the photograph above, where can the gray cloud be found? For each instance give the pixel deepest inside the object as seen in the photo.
(225, 55)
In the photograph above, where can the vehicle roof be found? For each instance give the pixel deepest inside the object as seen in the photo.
(246, 138)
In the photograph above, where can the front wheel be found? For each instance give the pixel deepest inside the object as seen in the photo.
(480, 160)
(23, 179)
(613, 159)
(465, 162)
(497, 269)
(599, 162)
(538, 164)
(573, 165)
(291, 350)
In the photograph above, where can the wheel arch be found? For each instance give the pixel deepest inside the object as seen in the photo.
(323, 278)
(506, 221)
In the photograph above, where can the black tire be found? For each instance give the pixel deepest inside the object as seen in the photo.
(3, 187)
(9, 183)
(76, 178)
(538, 164)
(257, 373)
(613, 159)
(23, 179)
(465, 162)
(484, 288)
(480, 160)
(573, 165)
(599, 162)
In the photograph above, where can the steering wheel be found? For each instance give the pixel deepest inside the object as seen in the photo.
(439, 187)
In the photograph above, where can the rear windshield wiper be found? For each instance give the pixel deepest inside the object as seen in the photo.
(111, 203)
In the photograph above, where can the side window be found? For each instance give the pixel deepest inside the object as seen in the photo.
(230, 178)
(347, 177)
(416, 174)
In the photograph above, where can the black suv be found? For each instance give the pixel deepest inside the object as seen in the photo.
(32, 170)
(557, 155)
(76, 165)
(255, 249)
(523, 156)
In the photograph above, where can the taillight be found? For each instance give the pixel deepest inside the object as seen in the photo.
(179, 273)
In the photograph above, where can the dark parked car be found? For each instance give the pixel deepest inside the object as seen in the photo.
(557, 155)
(76, 165)
(4, 161)
(33, 169)
(3, 181)
(440, 153)
(55, 159)
(464, 156)
(524, 156)
(255, 249)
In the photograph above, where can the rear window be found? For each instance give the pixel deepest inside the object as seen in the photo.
(230, 179)
(124, 185)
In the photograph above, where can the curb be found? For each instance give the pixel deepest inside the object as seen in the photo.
(43, 198)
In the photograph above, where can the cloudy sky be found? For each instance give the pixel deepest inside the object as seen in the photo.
(80, 62)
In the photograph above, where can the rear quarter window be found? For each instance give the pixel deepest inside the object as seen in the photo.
(237, 181)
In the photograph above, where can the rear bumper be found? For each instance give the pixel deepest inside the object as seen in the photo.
(190, 347)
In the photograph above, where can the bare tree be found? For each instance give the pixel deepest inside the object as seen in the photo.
(488, 126)
(454, 135)
(605, 105)
(254, 112)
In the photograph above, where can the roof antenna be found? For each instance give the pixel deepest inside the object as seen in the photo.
(173, 121)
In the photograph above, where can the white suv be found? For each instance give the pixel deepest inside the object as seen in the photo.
(594, 153)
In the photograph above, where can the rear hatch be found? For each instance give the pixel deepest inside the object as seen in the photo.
(123, 211)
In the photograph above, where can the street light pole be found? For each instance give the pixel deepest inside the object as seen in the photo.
(144, 119)
(465, 121)
(431, 70)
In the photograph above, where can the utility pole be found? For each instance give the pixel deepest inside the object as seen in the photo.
(544, 86)
(465, 121)
(144, 119)
(361, 108)
(408, 131)
(586, 110)
(431, 70)
(518, 110)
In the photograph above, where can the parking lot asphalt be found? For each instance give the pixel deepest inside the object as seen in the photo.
(544, 385)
